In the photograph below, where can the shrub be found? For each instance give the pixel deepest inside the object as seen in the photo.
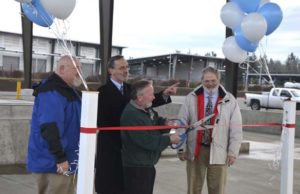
(40, 75)
(93, 78)
(11, 74)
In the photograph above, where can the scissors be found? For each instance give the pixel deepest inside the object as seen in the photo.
(199, 125)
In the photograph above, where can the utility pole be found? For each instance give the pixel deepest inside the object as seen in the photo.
(106, 8)
(27, 49)
(170, 66)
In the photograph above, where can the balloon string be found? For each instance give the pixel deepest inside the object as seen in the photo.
(60, 35)
(60, 39)
(264, 63)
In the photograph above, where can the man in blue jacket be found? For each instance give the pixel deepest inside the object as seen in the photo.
(55, 128)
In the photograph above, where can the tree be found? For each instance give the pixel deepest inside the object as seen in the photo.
(211, 54)
(276, 66)
(292, 63)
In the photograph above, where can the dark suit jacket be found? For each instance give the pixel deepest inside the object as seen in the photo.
(111, 103)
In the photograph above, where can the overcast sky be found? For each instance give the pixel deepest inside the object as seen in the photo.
(153, 27)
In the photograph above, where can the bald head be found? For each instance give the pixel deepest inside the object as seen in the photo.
(66, 60)
(67, 67)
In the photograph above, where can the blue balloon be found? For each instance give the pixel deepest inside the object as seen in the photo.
(273, 16)
(36, 13)
(243, 42)
(248, 6)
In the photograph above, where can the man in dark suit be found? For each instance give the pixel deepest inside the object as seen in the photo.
(113, 97)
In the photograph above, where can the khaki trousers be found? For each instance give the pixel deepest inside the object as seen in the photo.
(50, 183)
(200, 168)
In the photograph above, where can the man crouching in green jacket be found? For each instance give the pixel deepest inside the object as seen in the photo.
(141, 149)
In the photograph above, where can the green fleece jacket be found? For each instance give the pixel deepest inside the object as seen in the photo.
(142, 148)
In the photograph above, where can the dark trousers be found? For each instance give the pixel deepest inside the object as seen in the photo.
(139, 180)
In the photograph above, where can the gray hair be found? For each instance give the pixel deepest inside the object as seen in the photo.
(212, 70)
(138, 87)
(66, 60)
(111, 61)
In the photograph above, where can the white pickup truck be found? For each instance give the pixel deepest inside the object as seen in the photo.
(272, 99)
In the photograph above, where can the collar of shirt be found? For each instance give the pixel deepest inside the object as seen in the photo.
(117, 84)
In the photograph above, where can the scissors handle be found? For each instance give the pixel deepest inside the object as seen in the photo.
(182, 140)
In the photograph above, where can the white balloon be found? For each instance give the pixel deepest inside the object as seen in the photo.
(254, 27)
(24, 1)
(231, 15)
(59, 8)
(232, 51)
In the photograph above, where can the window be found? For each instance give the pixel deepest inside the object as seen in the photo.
(275, 92)
(285, 93)
(11, 63)
(296, 93)
(38, 65)
(87, 69)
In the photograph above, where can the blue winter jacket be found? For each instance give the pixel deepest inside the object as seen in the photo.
(55, 126)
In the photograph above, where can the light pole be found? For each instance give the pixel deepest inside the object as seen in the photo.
(260, 72)
(170, 67)
(246, 80)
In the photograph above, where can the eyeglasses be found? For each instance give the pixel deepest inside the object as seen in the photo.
(123, 68)
(210, 81)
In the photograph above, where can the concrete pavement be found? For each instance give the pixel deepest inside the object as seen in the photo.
(256, 173)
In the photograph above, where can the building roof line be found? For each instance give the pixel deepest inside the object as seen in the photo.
(52, 38)
(50, 54)
(172, 54)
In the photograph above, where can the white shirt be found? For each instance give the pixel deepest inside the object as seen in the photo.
(117, 84)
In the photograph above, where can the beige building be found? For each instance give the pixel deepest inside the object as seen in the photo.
(46, 51)
(173, 66)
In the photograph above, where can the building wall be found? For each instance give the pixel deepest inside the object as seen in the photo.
(163, 72)
(43, 46)
(11, 52)
(115, 51)
(187, 67)
(10, 42)
(182, 71)
(196, 70)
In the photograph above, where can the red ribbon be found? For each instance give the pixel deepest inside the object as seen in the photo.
(270, 124)
(130, 128)
(160, 127)
(289, 125)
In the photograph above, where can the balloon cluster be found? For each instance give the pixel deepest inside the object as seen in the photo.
(250, 21)
(43, 12)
